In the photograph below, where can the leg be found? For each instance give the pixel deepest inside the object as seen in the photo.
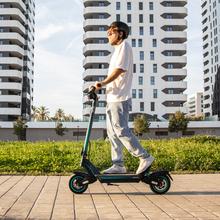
(116, 145)
(119, 114)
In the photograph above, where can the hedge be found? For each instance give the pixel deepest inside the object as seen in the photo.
(194, 154)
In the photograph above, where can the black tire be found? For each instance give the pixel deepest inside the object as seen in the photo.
(162, 186)
(75, 184)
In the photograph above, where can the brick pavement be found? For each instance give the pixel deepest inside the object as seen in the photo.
(48, 197)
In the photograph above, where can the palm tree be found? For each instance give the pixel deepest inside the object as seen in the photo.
(42, 113)
(60, 115)
(34, 113)
(69, 117)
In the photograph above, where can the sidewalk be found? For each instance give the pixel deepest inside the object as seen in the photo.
(42, 197)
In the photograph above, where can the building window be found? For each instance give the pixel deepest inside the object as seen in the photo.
(141, 68)
(154, 93)
(129, 30)
(141, 18)
(151, 18)
(128, 5)
(134, 68)
(154, 42)
(170, 91)
(141, 55)
(134, 93)
(152, 80)
(152, 55)
(140, 80)
(151, 30)
(140, 43)
(154, 68)
(151, 6)
(118, 17)
(101, 28)
(129, 18)
(140, 93)
(118, 6)
(141, 30)
(170, 66)
(141, 106)
(152, 106)
(170, 78)
(140, 5)
(169, 28)
(133, 42)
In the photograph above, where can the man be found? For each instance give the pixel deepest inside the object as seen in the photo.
(118, 88)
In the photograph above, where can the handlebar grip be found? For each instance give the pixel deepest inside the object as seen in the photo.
(91, 89)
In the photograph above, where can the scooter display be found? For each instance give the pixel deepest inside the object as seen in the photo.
(159, 181)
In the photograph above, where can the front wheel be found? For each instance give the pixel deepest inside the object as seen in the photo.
(76, 184)
(161, 184)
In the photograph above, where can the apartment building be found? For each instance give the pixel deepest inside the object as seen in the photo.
(158, 38)
(194, 105)
(16, 58)
(211, 51)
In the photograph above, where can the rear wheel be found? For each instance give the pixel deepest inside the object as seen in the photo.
(161, 184)
(76, 184)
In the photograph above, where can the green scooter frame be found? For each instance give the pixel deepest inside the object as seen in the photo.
(159, 181)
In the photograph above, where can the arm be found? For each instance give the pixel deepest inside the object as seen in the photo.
(114, 75)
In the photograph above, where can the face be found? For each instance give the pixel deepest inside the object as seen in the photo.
(114, 36)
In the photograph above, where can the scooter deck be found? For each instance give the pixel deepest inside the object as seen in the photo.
(118, 178)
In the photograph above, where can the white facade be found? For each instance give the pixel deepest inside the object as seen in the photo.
(158, 38)
(16, 58)
(211, 49)
(194, 105)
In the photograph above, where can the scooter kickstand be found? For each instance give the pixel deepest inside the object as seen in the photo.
(111, 184)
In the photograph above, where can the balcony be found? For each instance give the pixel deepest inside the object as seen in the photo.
(11, 86)
(13, 24)
(19, 3)
(95, 72)
(97, 9)
(174, 72)
(97, 47)
(181, 47)
(174, 34)
(96, 59)
(176, 10)
(94, 34)
(12, 36)
(97, 22)
(174, 59)
(10, 98)
(173, 84)
(15, 13)
(11, 73)
(10, 111)
(13, 49)
(11, 61)
(175, 97)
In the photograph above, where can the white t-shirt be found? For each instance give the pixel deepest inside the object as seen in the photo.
(120, 89)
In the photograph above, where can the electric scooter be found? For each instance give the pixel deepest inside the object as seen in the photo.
(159, 181)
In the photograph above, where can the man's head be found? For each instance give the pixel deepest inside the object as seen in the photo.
(117, 32)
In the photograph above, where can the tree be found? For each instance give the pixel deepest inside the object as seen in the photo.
(20, 129)
(60, 115)
(42, 113)
(60, 130)
(69, 117)
(141, 125)
(34, 114)
(178, 122)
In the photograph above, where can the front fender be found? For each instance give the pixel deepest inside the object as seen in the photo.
(91, 179)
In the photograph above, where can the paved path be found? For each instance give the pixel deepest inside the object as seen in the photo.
(42, 197)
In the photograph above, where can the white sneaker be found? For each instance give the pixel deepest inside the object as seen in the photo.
(115, 169)
(144, 164)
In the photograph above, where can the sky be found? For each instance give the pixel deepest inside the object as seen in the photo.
(58, 54)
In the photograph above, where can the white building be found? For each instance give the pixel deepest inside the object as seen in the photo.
(16, 58)
(211, 49)
(194, 105)
(158, 37)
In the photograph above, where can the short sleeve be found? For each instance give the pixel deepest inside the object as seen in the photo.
(123, 59)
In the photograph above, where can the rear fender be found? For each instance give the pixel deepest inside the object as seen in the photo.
(154, 176)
